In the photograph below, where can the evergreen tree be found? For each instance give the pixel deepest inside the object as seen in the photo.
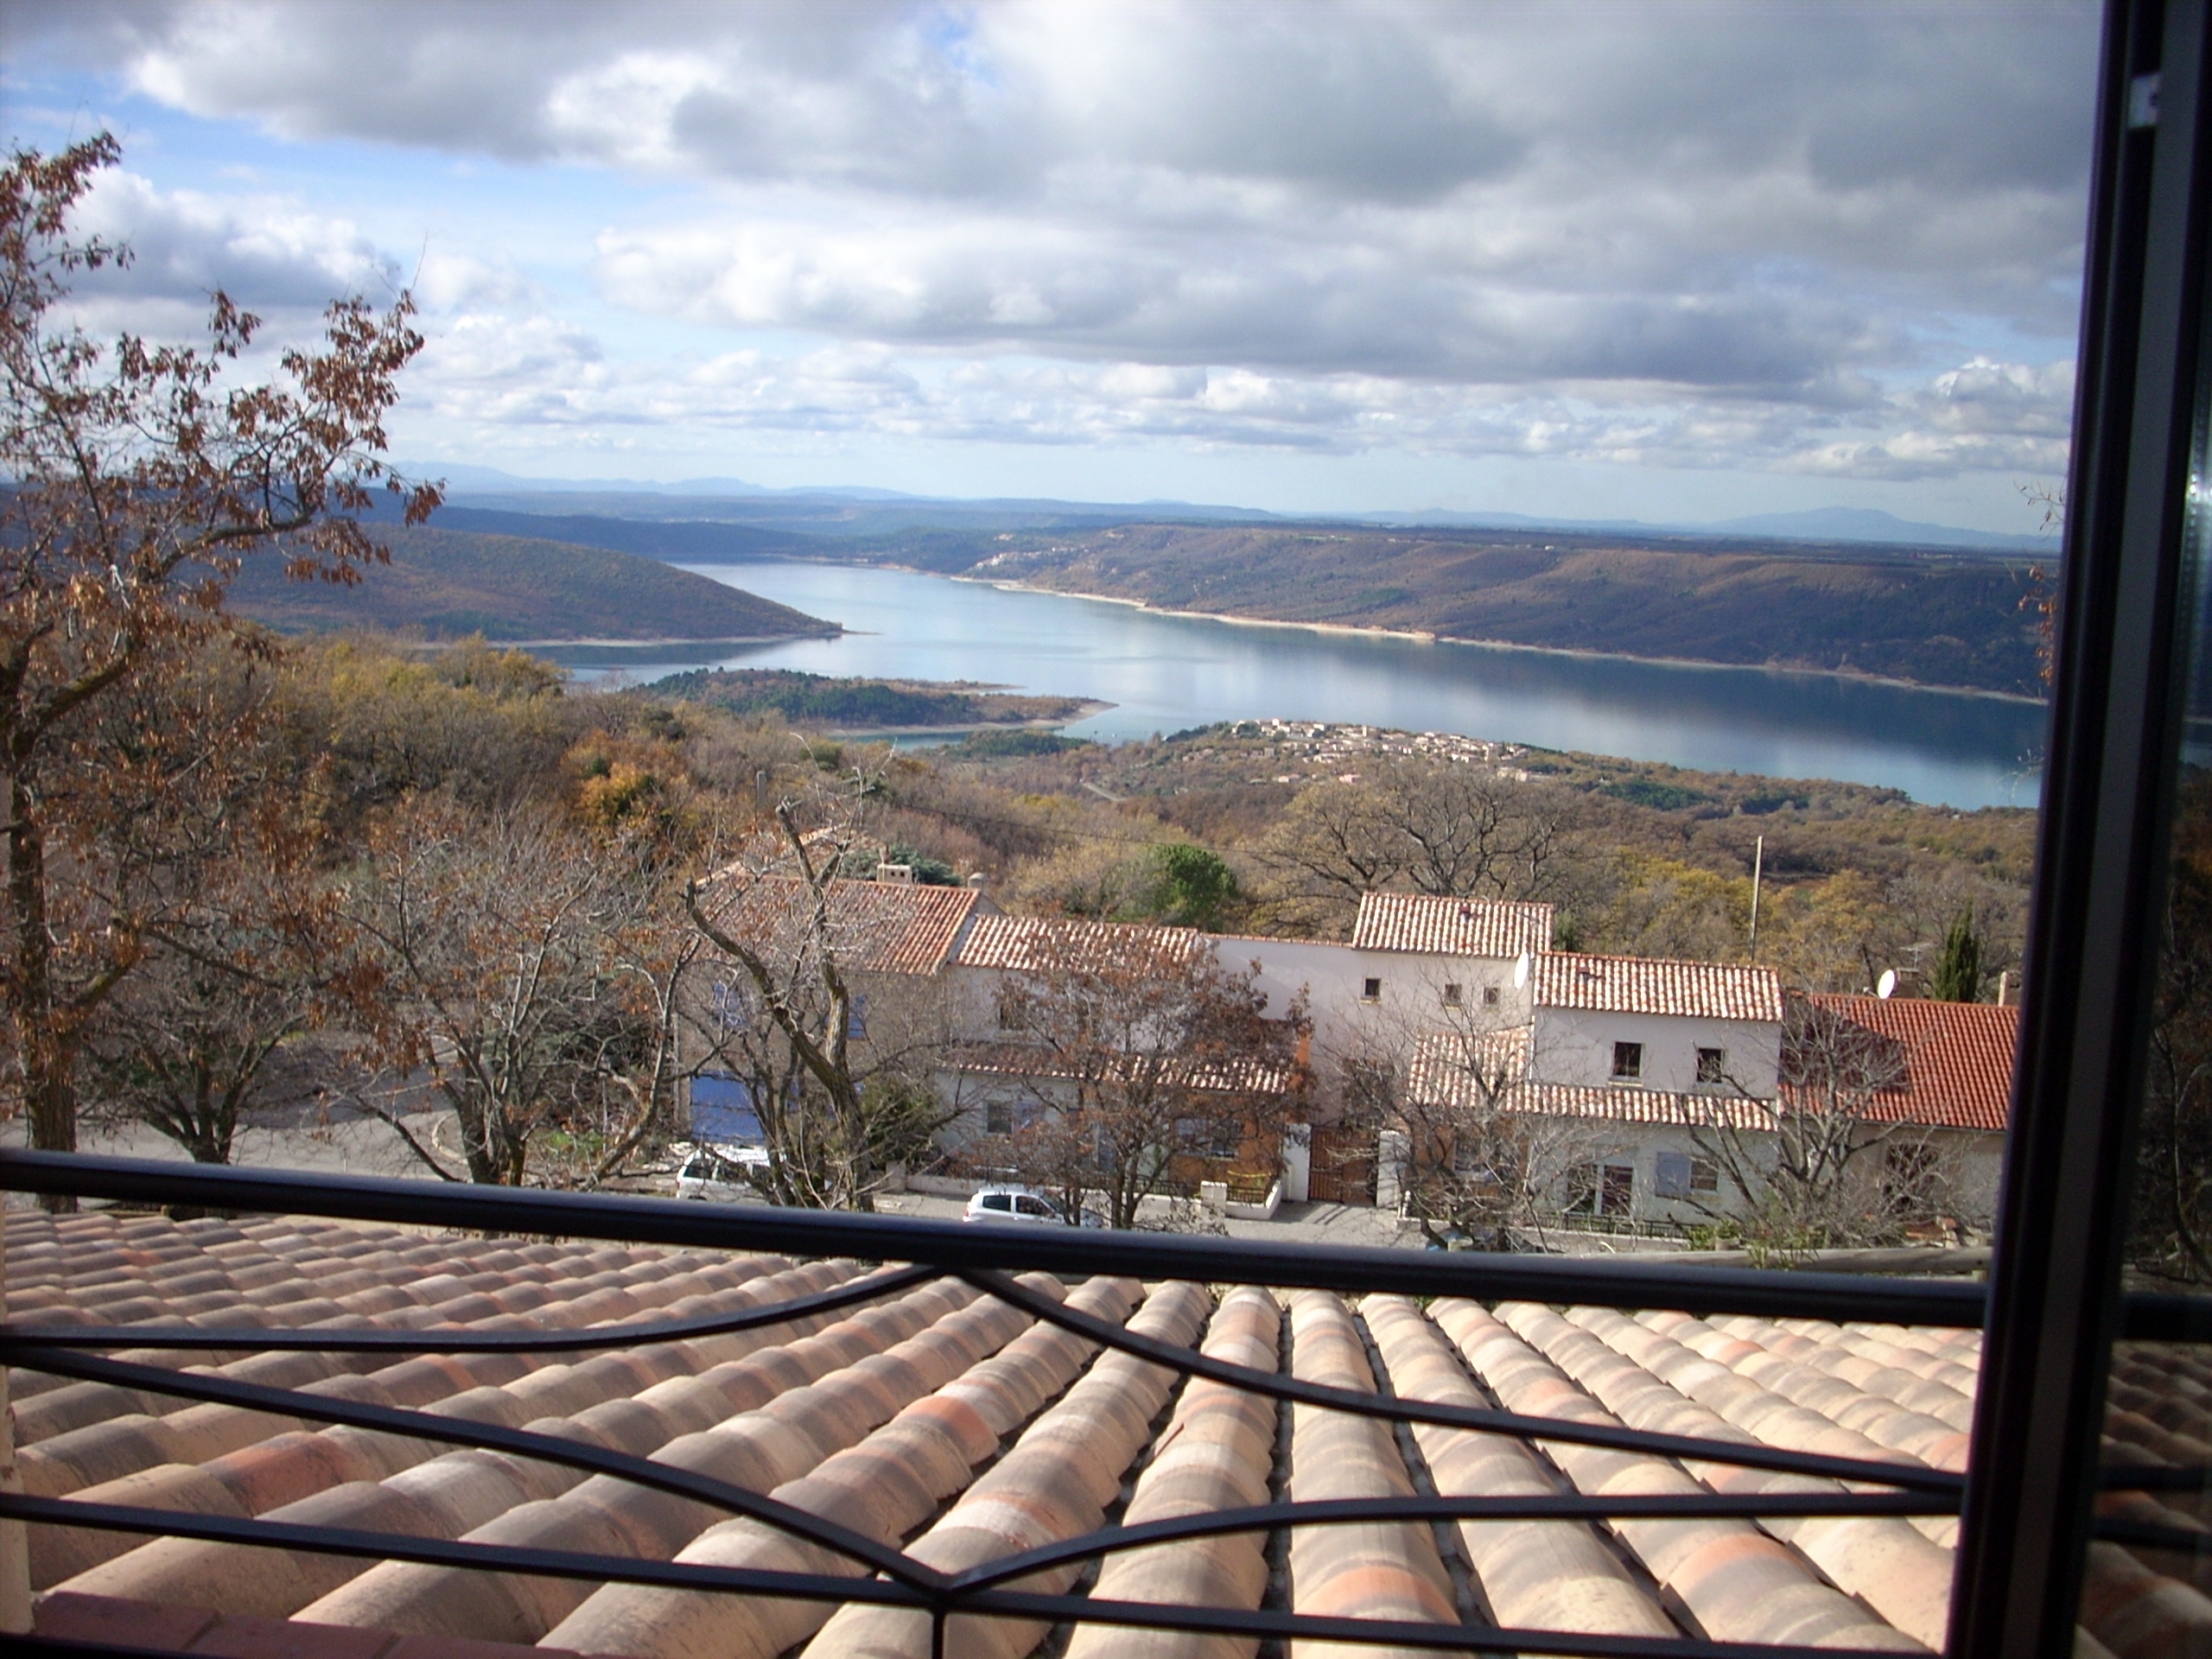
(1956, 976)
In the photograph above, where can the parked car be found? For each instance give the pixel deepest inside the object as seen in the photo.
(1019, 1205)
(716, 1174)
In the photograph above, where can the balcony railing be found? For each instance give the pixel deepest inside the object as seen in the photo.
(911, 1254)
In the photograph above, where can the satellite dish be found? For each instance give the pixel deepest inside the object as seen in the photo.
(1521, 972)
(1887, 984)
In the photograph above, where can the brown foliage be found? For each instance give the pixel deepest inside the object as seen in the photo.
(141, 484)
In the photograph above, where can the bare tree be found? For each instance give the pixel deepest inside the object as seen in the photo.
(2171, 1229)
(1453, 829)
(1443, 1099)
(252, 956)
(498, 939)
(1139, 1053)
(1822, 1165)
(833, 1126)
(138, 483)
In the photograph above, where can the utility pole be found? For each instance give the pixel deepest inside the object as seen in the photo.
(1758, 869)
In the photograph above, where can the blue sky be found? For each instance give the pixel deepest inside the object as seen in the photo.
(1671, 262)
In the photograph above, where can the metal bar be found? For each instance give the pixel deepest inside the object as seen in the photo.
(196, 1385)
(1609, 1283)
(2161, 1316)
(2069, 1171)
(460, 1340)
(1265, 1518)
(2153, 1478)
(2146, 1534)
(1052, 1608)
(1911, 1477)
(546, 1448)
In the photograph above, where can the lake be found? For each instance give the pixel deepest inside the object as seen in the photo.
(1166, 673)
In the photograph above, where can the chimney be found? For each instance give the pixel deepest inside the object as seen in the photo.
(895, 875)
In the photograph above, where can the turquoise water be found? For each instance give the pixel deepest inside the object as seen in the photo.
(1165, 673)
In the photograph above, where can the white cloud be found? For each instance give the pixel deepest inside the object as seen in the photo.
(1688, 236)
(266, 253)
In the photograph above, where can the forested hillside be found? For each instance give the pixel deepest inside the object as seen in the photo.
(449, 583)
(850, 705)
(1953, 619)
(1933, 616)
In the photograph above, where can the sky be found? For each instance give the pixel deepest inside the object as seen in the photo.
(1669, 261)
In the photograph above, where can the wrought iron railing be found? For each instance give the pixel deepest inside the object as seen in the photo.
(918, 1252)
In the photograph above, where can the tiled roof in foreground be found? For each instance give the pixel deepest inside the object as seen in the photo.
(1455, 927)
(966, 1431)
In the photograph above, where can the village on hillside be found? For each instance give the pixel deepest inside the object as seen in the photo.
(1445, 1063)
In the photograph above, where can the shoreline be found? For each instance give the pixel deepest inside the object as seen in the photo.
(659, 643)
(1092, 709)
(1424, 637)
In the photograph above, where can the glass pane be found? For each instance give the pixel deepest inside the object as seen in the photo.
(2149, 1573)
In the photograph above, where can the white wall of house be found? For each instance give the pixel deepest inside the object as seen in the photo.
(1410, 987)
(1576, 1046)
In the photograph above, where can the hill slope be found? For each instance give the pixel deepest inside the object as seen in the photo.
(450, 582)
(1935, 619)
(866, 705)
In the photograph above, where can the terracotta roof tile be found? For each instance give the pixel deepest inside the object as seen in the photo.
(953, 1419)
(1456, 927)
(885, 927)
(1023, 1060)
(1957, 1059)
(1034, 944)
(1704, 991)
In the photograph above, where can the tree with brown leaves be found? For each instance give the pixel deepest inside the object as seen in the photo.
(140, 482)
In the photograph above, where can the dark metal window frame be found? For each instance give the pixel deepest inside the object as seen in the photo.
(2055, 1301)
(2052, 1308)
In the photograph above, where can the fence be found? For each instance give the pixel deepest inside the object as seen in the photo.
(984, 1259)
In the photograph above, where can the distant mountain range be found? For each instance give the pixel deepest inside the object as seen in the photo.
(859, 511)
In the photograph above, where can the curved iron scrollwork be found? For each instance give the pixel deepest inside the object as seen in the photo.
(886, 1575)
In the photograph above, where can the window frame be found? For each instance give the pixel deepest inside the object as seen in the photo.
(2055, 1303)
(1627, 1062)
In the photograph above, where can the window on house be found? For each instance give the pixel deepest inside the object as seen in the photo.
(729, 1004)
(1582, 1188)
(1012, 1016)
(1204, 1137)
(1713, 1066)
(998, 1117)
(1489, 996)
(1595, 1188)
(1679, 1175)
(856, 1020)
(1627, 1062)
(1370, 991)
(1454, 995)
(1617, 1193)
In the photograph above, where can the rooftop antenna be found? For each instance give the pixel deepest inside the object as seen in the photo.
(1758, 869)
(1886, 986)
